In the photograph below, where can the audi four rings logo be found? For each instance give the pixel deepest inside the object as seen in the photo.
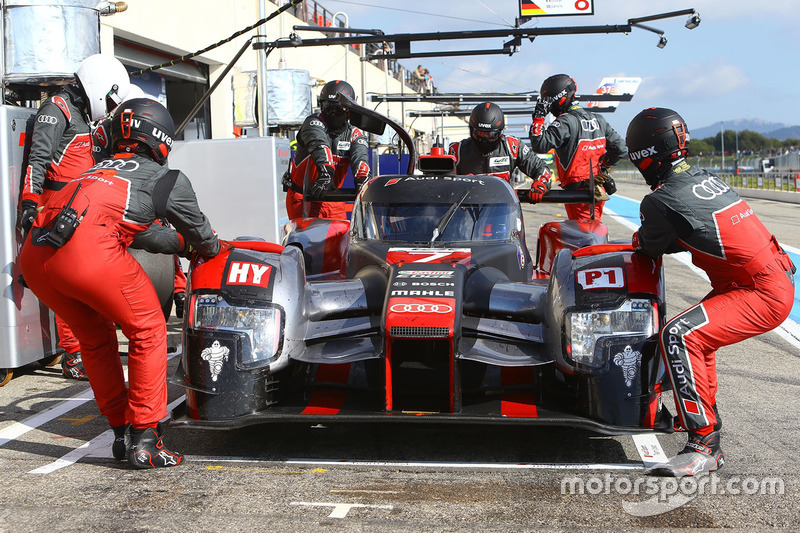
(421, 308)
(710, 188)
(47, 119)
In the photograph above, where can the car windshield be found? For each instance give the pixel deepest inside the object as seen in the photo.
(416, 222)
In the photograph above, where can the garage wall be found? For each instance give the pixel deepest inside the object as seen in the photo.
(185, 26)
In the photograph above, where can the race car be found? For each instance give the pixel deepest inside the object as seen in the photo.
(426, 306)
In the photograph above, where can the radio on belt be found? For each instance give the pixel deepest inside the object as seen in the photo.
(63, 227)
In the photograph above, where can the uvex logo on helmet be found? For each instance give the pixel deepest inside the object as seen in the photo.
(163, 137)
(641, 154)
(484, 125)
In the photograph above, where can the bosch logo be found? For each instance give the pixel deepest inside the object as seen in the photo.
(421, 308)
(47, 119)
(710, 188)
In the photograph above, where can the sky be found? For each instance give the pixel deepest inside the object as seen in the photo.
(742, 62)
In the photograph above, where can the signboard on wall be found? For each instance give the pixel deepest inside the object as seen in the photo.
(617, 86)
(539, 8)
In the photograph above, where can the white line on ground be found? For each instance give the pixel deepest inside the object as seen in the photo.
(100, 446)
(18, 429)
(103, 440)
(422, 464)
(340, 510)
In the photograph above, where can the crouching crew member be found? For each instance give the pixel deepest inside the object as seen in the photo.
(75, 260)
(751, 276)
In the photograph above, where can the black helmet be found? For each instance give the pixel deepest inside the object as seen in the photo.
(142, 121)
(333, 112)
(486, 124)
(656, 138)
(561, 88)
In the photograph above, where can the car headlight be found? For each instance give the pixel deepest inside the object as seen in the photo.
(262, 325)
(584, 329)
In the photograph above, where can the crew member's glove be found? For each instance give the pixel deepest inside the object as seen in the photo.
(539, 188)
(286, 181)
(361, 180)
(599, 181)
(27, 214)
(635, 241)
(604, 177)
(185, 249)
(225, 246)
(540, 111)
(323, 184)
(542, 107)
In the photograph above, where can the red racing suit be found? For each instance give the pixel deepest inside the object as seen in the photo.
(101, 148)
(580, 139)
(61, 148)
(93, 282)
(317, 146)
(509, 155)
(751, 279)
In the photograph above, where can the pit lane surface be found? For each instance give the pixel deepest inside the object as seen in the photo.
(57, 472)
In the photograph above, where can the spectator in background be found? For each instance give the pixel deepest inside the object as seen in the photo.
(428, 82)
(418, 79)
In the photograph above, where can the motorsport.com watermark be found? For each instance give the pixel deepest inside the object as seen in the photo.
(666, 494)
(711, 484)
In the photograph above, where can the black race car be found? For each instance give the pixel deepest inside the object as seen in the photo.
(426, 307)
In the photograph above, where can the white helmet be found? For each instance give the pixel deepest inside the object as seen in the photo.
(105, 82)
(134, 91)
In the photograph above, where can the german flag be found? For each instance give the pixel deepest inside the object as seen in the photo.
(528, 8)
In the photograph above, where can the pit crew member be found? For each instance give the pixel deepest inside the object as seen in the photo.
(101, 141)
(751, 276)
(488, 151)
(584, 143)
(90, 279)
(61, 148)
(326, 144)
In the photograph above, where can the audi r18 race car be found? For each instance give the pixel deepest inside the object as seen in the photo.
(427, 307)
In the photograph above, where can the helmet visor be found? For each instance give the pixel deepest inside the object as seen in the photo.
(486, 136)
(333, 109)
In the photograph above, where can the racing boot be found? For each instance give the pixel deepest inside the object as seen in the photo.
(147, 449)
(700, 455)
(122, 442)
(72, 366)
